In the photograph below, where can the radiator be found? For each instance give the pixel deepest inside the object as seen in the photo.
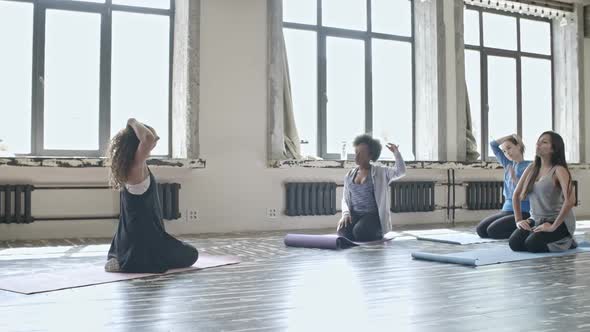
(311, 198)
(484, 195)
(412, 196)
(15, 202)
(169, 200)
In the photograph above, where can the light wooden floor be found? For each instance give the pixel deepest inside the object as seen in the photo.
(291, 289)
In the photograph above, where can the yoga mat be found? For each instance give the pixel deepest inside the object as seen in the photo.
(94, 275)
(454, 238)
(423, 232)
(496, 255)
(330, 241)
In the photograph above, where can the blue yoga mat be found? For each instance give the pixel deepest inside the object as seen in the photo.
(495, 255)
(454, 238)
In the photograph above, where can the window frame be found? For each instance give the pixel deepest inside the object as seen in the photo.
(105, 10)
(322, 32)
(484, 52)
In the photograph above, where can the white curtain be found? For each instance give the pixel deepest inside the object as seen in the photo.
(284, 138)
(472, 154)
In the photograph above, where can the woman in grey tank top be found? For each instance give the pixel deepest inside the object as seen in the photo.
(548, 184)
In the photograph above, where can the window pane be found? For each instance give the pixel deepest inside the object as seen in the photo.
(392, 17)
(501, 97)
(346, 14)
(302, 58)
(392, 95)
(300, 11)
(535, 36)
(16, 37)
(140, 73)
(72, 76)
(536, 101)
(499, 31)
(471, 27)
(161, 4)
(345, 63)
(473, 78)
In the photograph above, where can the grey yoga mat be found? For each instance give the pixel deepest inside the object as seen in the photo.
(487, 256)
(454, 238)
(329, 241)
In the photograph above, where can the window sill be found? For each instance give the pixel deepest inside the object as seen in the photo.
(81, 162)
(443, 165)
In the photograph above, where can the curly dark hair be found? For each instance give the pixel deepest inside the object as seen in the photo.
(373, 144)
(120, 154)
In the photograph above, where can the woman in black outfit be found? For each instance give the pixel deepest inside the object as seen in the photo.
(141, 244)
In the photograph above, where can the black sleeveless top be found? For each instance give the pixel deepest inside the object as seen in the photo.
(141, 238)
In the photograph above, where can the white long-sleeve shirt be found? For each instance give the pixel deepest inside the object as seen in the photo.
(382, 177)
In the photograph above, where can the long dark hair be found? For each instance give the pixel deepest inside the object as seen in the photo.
(120, 154)
(557, 159)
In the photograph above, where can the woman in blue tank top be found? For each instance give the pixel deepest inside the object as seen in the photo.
(509, 151)
(141, 244)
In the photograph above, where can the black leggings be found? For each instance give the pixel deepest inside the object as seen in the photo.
(180, 255)
(499, 225)
(522, 240)
(363, 228)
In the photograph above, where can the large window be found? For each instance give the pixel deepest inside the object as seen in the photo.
(351, 69)
(508, 67)
(74, 71)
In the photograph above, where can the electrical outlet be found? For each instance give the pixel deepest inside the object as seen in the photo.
(192, 215)
(271, 213)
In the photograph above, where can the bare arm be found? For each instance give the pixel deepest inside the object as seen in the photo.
(518, 192)
(147, 141)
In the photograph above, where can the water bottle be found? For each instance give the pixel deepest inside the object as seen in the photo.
(343, 154)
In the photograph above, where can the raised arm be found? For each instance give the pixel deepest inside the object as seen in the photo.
(147, 140)
(399, 169)
(495, 145)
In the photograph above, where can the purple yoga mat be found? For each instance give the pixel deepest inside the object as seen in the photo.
(327, 241)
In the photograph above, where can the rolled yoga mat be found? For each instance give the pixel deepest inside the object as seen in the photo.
(95, 274)
(497, 255)
(330, 241)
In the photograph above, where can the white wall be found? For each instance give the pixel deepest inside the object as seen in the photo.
(234, 190)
